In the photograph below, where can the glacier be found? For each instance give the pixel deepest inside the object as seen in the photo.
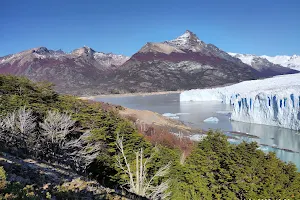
(274, 101)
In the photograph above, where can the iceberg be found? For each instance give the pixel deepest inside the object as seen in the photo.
(274, 101)
(171, 115)
(174, 115)
(211, 120)
(178, 114)
(263, 148)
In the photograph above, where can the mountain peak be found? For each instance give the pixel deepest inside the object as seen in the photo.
(60, 51)
(40, 50)
(188, 36)
(188, 41)
(85, 50)
(294, 56)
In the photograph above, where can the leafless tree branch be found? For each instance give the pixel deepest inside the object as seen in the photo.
(56, 126)
(141, 184)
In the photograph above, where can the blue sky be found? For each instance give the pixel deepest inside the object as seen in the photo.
(258, 26)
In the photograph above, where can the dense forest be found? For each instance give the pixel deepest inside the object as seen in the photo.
(92, 140)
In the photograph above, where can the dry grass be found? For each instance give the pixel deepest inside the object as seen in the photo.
(162, 136)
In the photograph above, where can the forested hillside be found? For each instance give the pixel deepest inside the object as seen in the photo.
(93, 141)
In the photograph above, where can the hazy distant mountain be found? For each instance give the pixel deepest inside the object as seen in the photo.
(262, 65)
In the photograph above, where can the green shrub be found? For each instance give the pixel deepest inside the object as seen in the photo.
(2, 178)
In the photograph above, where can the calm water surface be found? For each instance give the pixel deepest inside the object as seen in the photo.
(193, 114)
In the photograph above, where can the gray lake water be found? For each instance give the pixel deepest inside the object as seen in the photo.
(193, 113)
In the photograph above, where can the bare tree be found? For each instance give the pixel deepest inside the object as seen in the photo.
(18, 134)
(9, 122)
(18, 129)
(56, 126)
(25, 122)
(182, 158)
(20, 121)
(2, 129)
(139, 181)
(2, 125)
(82, 152)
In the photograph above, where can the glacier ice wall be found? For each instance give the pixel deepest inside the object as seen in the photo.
(273, 101)
(275, 109)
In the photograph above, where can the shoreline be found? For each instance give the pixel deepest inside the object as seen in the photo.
(130, 94)
(148, 93)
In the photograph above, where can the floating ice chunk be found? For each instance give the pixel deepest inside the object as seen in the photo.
(171, 115)
(211, 120)
(233, 141)
(263, 148)
(183, 113)
(224, 112)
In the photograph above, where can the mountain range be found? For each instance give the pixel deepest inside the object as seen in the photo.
(292, 62)
(182, 63)
(70, 72)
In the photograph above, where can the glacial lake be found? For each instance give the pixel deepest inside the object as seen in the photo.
(284, 142)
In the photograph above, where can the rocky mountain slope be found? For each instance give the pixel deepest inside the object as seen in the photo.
(183, 63)
(70, 72)
(263, 65)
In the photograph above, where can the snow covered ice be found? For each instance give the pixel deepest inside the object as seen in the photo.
(273, 101)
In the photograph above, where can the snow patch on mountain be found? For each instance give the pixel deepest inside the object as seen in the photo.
(273, 101)
(292, 62)
(83, 51)
(189, 66)
(188, 41)
(110, 59)
(245, 58)
(105, 60)
(31, 54)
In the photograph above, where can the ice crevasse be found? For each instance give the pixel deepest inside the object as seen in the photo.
(274, 101)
